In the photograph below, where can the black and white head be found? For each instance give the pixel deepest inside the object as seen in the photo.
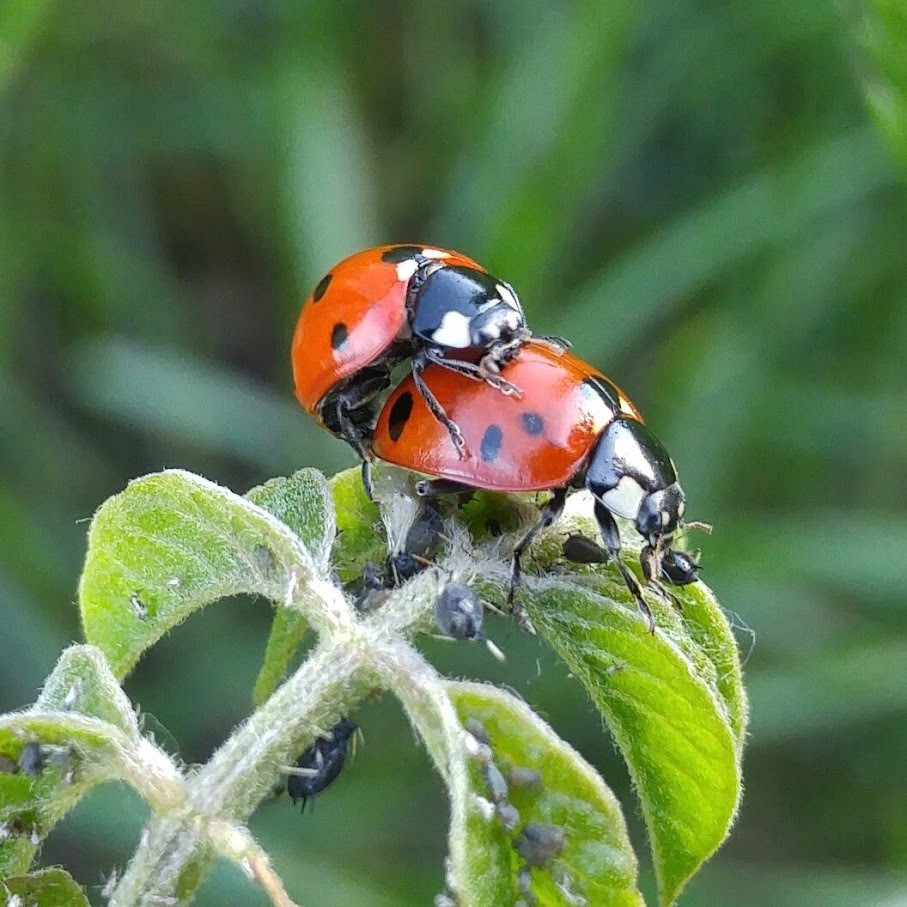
(632, 474)
(462, 308)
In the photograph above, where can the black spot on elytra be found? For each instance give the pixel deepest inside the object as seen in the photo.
(339, 335)
(321, 287)
(401, 253)
(491, 443)
(399, 415)
(533, 424)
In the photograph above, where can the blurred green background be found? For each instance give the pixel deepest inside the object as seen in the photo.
(696, 193)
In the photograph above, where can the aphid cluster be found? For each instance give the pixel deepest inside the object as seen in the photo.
(483, 405)
(537, 844)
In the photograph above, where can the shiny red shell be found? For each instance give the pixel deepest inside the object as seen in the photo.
(538, 441)
(353, 316)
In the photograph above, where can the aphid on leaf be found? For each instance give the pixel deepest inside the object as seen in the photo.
(540, 844)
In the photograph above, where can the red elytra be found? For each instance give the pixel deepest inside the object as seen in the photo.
(353, 317)
(532, 443)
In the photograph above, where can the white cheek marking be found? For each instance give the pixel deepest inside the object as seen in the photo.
(507, 296)
(624, 499)
(435, 253)
(406, 269)
(453, 331)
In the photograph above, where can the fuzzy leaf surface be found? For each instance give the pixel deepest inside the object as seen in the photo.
(303, 502)
(169, 544)
(45, 888)
(84, 725)
(597, 862)
(673, 700)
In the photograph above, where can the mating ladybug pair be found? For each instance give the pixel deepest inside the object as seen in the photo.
(484, 404)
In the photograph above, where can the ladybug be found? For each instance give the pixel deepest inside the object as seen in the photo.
(572, 428)
(384, 305)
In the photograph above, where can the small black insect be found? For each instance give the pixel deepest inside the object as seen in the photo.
(679, 568)
(459, 613)
(318, 767)
(423, 539)
(581, 550)
(540, 844)
(32, 761)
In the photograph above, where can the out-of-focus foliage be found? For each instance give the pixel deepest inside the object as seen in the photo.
(884, 32)
(695, 193)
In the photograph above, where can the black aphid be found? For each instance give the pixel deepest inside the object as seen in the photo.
(319, 766)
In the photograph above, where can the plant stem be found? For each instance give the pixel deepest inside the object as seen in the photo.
(243, 771)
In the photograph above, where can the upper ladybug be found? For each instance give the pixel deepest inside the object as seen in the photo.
(391, 303)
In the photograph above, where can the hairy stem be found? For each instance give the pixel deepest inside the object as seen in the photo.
(353, 657)
(243, 772)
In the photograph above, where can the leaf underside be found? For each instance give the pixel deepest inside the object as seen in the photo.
(169, 544)
(81, 721)
(45, 888)
(674, 702)
(597, 863)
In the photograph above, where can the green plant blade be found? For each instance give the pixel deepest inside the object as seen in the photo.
(287, 633)
(46, 888)
(82, 682)
(85, 726)
(358, 537)
(674, 702)
(78, 753)
(170, 544)
(598, 863)
(882, 33)
(303, 502)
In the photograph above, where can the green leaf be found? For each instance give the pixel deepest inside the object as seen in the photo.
(87, 733)
(170, 544)
(598, 863)
(82, 682)
(304, 503)
(359, 538)
(77, 753)
(287, 633)
(673, 700)
(45, 888)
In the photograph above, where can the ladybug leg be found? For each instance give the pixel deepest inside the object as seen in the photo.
(480, 372)
(367, 482)
(503, 352)
(550, 513)
(611, 538)
(651, 560)
(426, 488)
(456, 436)
(353, 436)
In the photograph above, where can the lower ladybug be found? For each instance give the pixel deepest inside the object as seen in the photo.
(572, 428)
(382, 306)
